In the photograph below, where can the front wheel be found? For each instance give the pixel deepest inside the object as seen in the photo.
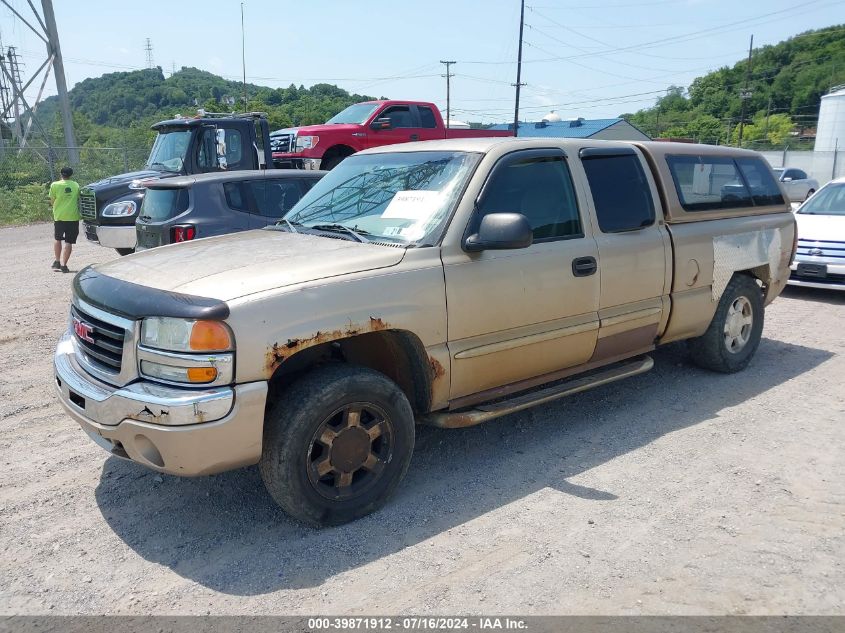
(734, 333)
(124, 251)
(337, 443)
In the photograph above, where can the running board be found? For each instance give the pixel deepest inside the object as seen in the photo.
(485, 412)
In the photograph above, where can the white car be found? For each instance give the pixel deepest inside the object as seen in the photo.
(820, 260)
(797, 184)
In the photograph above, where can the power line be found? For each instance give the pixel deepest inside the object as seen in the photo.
(726, 27)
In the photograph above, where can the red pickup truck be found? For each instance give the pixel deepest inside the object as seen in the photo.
(363, 125)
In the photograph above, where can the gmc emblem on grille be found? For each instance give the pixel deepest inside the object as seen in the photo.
(83, 330)
(816, 251)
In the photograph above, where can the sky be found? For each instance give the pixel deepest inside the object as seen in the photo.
(587, 58)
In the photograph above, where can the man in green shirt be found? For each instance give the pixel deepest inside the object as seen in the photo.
(64, 194)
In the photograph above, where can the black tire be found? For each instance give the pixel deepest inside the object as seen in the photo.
(294, 454)
(810, 193)
(717, 349)
(124, 251)
(332, 161)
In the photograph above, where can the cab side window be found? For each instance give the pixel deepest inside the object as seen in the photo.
(538, 187)
(400, 116)
(621, 192)
(207, 150)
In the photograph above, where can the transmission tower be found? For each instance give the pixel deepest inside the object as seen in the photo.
(149, 50)
(15, 79)
(45, 29)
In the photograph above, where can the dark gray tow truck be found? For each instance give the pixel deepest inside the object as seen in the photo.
(209, 142)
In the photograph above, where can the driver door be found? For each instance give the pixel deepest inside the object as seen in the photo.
(403, 127)
(523, 313)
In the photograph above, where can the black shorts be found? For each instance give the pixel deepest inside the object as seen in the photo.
(67, 230)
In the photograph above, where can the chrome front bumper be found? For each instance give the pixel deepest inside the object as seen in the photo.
(116, 236)
(169, 429)
(834, 278)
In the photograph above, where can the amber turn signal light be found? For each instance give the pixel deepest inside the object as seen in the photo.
(201, 374)
(210, 336)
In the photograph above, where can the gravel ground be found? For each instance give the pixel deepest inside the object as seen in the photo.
(675, 492)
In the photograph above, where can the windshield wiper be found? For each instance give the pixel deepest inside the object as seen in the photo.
(166, 168)
(145, 218)
(291, 225)
(340, 228)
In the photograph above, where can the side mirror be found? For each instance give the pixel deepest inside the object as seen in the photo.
(381, 124)
(786, 179)
(220, 136)
(501, 231)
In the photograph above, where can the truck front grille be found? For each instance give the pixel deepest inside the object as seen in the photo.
(101, 342)
(87, 205)
(812, 248)
(282, 143)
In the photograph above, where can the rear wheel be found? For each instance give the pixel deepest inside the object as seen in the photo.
(810, 193)
(734, 333)
(336, 444)
(124, 251)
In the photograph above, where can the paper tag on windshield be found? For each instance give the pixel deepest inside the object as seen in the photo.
(412, 205)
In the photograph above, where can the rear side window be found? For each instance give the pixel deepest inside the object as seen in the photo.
(163, 204)
(237, 197)
(279, 197)
(764, 189)
(706, 183)
(427, 119)
(620, 191)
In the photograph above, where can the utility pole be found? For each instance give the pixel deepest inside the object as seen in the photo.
(448, 76)
(148, 48)
(768, 111)
(745, 95)
(243, 52)
(518, 83)
(55, 51)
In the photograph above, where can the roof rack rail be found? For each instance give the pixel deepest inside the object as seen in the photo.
(202, 114)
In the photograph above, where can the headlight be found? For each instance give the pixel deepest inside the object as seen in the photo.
(186, 335)
(120, 209)
(306, 142)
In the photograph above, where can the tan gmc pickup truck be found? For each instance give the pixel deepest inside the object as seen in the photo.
(445, 283)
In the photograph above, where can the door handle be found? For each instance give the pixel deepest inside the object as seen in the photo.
(584, 266)
(415, 137)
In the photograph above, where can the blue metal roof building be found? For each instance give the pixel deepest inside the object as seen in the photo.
(605, 129)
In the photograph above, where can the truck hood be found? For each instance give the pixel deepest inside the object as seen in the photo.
(240, 264)
(323, 128)
(825, 228)
(114, 184)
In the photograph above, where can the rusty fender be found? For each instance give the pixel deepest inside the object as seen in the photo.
(278, 354)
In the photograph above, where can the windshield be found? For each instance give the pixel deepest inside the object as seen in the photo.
(829, 200)
(399, 197)
(778, 172)
(169, 149)
(357, 113)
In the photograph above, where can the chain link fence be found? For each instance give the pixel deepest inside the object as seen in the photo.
(26, 174)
